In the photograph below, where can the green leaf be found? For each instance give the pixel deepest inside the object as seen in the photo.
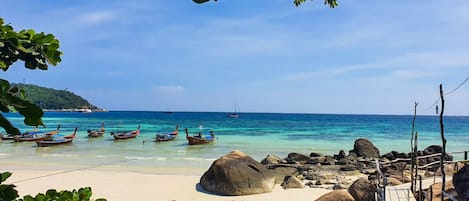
(9, 128)
(4, 176)
(8, 193)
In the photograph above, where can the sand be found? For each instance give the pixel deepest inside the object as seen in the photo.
(134, 186)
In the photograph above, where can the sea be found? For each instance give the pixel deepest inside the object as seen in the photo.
(256, 134)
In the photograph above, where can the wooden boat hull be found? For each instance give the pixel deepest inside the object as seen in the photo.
(96, 133)
(93, 134)
(47, 143)
(197, 140)
(32, 139)
(51, 142)
(9, 137)
(126, 135)
(165, 138)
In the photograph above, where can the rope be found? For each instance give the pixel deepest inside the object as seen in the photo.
(79, 169)
(446, 94)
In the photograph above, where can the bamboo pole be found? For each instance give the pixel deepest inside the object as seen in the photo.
(412, 163)
(443, 140)
(416, 163)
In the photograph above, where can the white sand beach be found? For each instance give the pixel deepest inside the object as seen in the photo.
(132, 186)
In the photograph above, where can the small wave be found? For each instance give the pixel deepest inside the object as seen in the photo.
(161, 158)
(100, 156)
(196, 159)
(138, 158)
(61, 155)
(2, 154)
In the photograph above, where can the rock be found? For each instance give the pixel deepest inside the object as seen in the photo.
(313, 154)
(362, 190)
(433, 149)
(271, 159)
(364, 148)
(461, 182)
(348, 168)
(237, 174)
(313, 161)
(314, 176)
(281, 172)
(337, 195)
(393, 181)
(341, 155)
(300, 158)
(343, 161)
(328, 160)
(291, 182)
(436, 190)
(389, 156)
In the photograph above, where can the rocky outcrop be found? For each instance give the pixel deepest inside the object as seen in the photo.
(237, 174)
(271, 160)
(338, 195)
(280, 173)
(292, 182)
(362, 189)
(461, 183)
(364, 148)
(298, 158)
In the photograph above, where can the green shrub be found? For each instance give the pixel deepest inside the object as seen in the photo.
(9, 193)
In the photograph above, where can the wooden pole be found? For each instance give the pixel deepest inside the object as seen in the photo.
(443, 140)
(416, 163)
(412, 163)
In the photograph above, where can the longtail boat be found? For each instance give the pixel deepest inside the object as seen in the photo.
(97, 133)
(56, 140)
(167, 136)
(200, 137)
(35, 136)
(126, 135)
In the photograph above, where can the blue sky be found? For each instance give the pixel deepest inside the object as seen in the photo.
(364, 57)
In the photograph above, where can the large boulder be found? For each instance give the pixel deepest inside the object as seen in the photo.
(237, 174)
(362, 189)
(364, 148)
(337, 195)
(461, 183)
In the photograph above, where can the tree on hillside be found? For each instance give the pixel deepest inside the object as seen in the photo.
(37, 50)
(331, 3)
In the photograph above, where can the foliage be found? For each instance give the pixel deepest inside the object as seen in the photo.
(47, 98)
(12, 99)
(37, 50)
(331, 3)
(9, 193)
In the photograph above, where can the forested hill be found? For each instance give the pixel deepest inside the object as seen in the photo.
(48, 98)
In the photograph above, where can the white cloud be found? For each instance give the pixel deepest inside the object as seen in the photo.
(97, 17)
(169, 88)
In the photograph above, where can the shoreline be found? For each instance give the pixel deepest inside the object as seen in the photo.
(128, 185)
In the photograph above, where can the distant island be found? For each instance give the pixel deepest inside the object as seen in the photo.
(56, 100)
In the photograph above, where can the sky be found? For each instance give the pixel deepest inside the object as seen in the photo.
(363, 57)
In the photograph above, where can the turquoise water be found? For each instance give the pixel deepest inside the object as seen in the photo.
(256, 134)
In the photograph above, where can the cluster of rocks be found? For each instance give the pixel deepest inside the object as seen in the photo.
(238, 174)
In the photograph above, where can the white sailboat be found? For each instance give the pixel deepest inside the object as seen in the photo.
(234, 114)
